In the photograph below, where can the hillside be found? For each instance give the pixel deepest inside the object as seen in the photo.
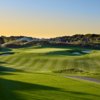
(87, 41)
(50, 59)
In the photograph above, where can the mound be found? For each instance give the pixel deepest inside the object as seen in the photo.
(70, 70)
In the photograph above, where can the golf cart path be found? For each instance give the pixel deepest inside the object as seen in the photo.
(84, 78)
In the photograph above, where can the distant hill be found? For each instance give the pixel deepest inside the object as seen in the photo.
(88, 40)
(16, 41)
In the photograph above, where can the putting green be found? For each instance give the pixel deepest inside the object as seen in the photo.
(44, 50)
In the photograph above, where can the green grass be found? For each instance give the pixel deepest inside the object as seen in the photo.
(28, 74)
(52, 59)
(42, 86)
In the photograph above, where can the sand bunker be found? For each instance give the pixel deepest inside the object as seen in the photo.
(86, 51)
(76, 53)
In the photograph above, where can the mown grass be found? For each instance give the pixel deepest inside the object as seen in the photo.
(28, 74)
(53, 59)
(44, 86)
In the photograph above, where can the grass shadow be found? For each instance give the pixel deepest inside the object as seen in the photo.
(8, 88)
(5, 49)
(6, 70)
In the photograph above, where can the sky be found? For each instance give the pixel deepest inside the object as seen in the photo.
(49, 18)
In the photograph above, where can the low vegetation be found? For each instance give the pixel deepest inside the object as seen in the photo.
(87, 41)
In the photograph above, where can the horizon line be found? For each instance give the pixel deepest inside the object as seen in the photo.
(50, 37)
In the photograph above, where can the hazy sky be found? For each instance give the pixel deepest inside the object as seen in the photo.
(49, 18)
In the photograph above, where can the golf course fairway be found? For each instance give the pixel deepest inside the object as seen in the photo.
(38, 73)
